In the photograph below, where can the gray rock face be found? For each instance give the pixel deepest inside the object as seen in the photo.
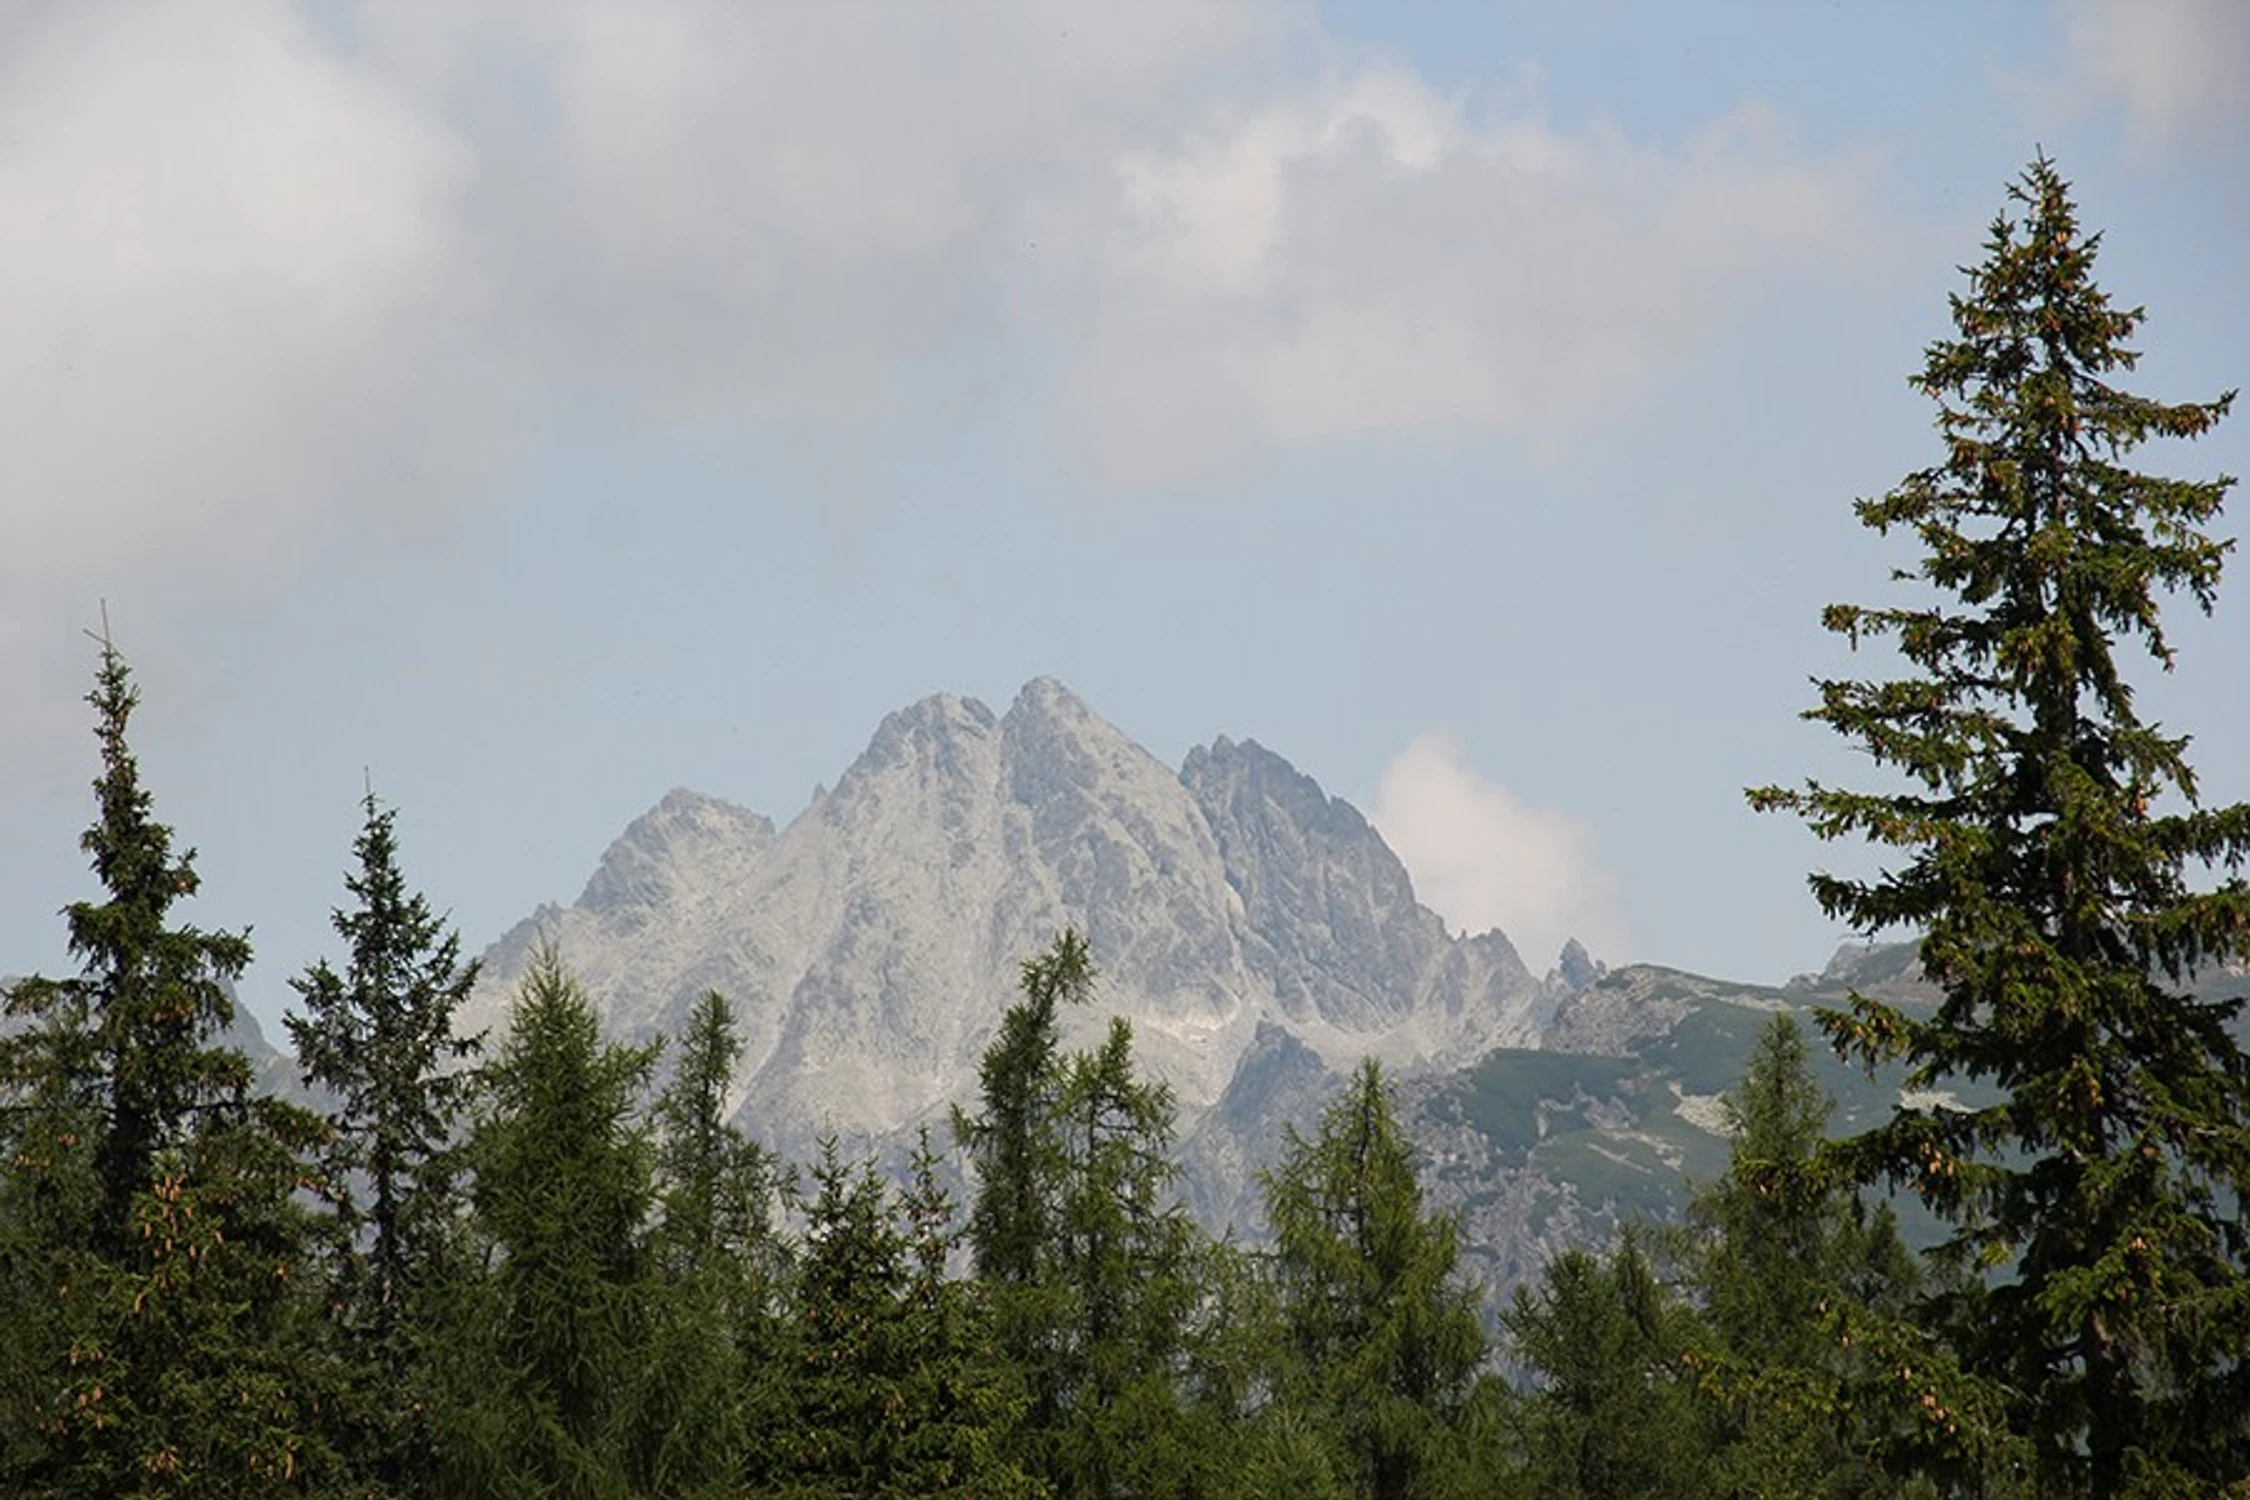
(1577, 968)
(1236, 913)
(1330, 921)
(655, 861)
(1279, 1085)
(1328, 910)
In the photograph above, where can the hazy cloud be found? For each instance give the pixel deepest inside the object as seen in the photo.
(1482, 857)
(1374, 259)
(2175, 67)
(282, 273)
(786, 211)
(221, 291)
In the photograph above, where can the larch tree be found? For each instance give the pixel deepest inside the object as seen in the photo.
(1012, 1141)
(1014, 1147)
(1787, 1268)
(1383, 1336)
(546, 1349)
(2067, 882)
(712, 1367)
(1125, 1265)
(717, 1185)
(1090, 1265)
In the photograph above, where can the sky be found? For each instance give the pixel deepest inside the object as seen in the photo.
(526, 408)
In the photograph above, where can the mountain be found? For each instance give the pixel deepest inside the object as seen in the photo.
(1620, 1111)
(1258, 933)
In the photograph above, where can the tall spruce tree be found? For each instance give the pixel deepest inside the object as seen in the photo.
(379, 1039)
(2052, 848)
(159, 1333)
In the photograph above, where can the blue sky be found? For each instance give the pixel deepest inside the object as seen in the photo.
(539, 406)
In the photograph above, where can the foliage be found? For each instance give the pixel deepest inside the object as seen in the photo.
(708, 1382)
(1612, 1413)
(1012, 1143)
(150, 1247)
(1125, 1266)
(718, 1184)
(1090, 1264)
(548, 1345)
(896, 1389)
(1789, 1271)
(1383, 1339)
(2050, 840)
(1256, 1444)
(379, 1040)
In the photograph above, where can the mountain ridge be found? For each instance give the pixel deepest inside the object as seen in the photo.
(871, 944)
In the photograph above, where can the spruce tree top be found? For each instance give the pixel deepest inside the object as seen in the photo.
(124, 943)
(157, 992)
(2056, 860)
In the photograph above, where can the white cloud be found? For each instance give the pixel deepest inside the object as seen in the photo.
(282, 273)
(1371, 259)
(2175, 67)
(1481, 857)
(219, 289)
(782, 212)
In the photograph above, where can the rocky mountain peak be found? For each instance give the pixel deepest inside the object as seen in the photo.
(1233, 908)
(686, 841)
(1047, 698)
(1327, 903)
(934, 762)
(1053, 744)
(930, 734)
(1577, 968)
(1251, 793)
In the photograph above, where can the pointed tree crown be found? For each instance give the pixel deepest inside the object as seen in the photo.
(2064, 876)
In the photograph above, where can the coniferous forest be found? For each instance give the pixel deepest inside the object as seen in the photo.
(546, 1264)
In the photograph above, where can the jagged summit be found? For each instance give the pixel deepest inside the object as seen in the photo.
(687, 839)
(1328, 908)
(871, 945)
(928, 730)
(1046, 697)
(1577, 968)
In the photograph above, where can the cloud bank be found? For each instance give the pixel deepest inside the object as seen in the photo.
(282, 277)
(2174, 67)
(1482, 857)
(1375, 260)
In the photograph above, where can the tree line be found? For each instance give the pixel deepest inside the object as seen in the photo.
(553, 1265)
